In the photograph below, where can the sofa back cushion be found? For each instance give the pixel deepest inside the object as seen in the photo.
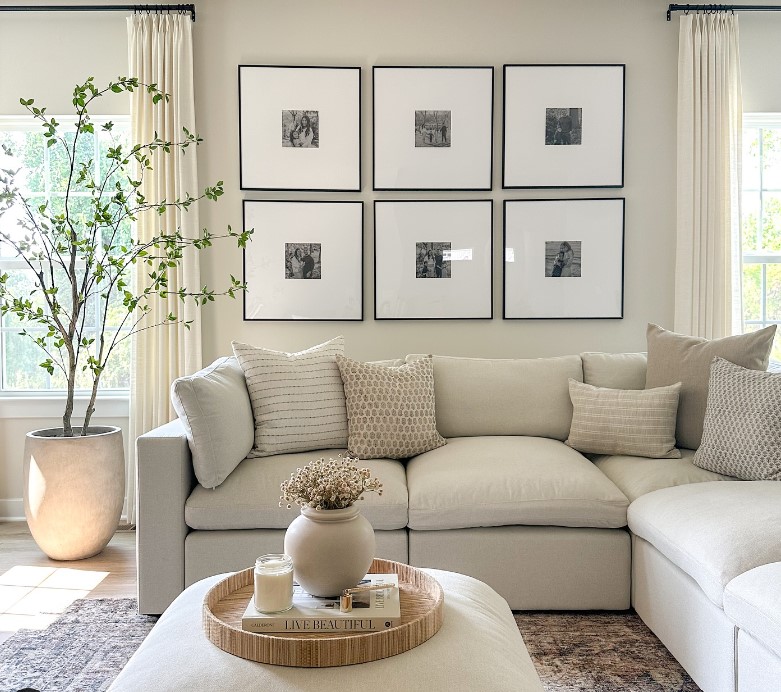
(214, 407)
(483, 396)
(615, 370)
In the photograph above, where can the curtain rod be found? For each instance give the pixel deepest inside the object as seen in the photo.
(100, 8)
(721, 8)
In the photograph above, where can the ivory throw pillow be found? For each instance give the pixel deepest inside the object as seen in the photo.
(635, 422)
(214, 408)
(297, 398)
(687, 359)
(742, 432)
(390, 410)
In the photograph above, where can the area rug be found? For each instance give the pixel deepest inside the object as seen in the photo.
(599, 652)
(82, 651)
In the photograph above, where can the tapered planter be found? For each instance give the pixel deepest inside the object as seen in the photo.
(73, 489)
(332, 549)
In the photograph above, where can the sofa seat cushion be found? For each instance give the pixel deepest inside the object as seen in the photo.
(249, 497)
(712, 531)
(753, 602)
(636, 476)
(506, 481)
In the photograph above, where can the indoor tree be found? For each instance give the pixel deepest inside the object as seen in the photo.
(80, 253)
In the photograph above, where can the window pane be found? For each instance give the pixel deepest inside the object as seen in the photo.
(752, 291)
(771, 222)
(20, 366)
(28, 155)
(751, 158)
(771, 154)
(117, 373)
(21, 285)
(773, 297)
(750, 219)
(59, 161)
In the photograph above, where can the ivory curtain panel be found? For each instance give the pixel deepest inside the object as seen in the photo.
(160, 52)
(708, 300)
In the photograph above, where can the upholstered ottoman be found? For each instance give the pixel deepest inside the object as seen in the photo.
(753, 602)
(477, 648)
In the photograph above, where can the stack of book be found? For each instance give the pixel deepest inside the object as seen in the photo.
(372, 611)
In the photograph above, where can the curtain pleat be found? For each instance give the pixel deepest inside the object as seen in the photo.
(160, 52)
(708, 296)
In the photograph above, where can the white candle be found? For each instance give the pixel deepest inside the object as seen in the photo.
(273, 583)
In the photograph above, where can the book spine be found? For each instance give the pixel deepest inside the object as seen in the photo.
(299, 625)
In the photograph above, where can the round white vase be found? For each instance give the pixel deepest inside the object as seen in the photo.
(332, 549)
(73, 489)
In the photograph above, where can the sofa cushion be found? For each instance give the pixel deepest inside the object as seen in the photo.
(687, 359)
(742, 431)
(712, 531)
(390, 411)
(615, 370)
(636, 476)
(624, 421)
(297, 398)
(483, 396)
(249, 498)
(501, 481)
(752, 601)
(214, 407)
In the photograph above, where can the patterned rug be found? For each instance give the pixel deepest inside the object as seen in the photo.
(599, 652)
(82, 651)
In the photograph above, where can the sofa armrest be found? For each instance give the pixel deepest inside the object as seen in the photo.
(164, 480)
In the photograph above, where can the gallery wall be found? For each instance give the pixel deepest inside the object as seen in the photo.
(43, 55)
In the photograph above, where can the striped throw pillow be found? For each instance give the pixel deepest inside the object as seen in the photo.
(634, 422)
(297, 398)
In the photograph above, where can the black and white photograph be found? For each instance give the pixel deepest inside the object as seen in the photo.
(432, 260)
(415, 241)
(415, 111)
(432, 129)
(301, 129)
(302, 261)
(547, 239)
(289, 243)
(563, 125)
(562, 258)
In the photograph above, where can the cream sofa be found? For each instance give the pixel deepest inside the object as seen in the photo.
(505, 501)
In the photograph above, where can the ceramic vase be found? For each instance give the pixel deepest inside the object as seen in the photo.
(73, 490)
(332, 549)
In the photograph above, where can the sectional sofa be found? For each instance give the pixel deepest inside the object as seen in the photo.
(696, 553)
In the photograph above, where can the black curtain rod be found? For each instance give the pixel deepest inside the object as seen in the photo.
(100, 8)
(721, 8)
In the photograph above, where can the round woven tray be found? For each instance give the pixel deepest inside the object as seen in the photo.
(422, 611)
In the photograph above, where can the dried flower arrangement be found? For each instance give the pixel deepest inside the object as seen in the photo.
(333, 484)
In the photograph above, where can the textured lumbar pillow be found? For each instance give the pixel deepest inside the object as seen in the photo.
(390, 410)
(297, 398)
(742, 432)
(624, 421)
(214, 407)
(687, 359)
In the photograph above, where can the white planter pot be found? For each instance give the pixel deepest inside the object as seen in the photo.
(332, 549)
(73, 490)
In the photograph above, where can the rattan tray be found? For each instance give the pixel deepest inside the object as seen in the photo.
(422, 611)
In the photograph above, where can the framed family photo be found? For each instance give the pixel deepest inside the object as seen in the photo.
(564, 259)
(563, 126)
(432, 259)
(300, 128)
(305, 260)
(433, 128)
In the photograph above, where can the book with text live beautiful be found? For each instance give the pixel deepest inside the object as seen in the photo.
(372, 611)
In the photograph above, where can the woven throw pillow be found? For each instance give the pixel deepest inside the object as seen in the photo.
(635, 422)
(390, 410)
(742, 432)
(297, 398)
(687, 359)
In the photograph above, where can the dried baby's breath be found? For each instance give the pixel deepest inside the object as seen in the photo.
(333, 484)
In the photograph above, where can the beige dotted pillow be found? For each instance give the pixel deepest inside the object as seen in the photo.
(390, 411)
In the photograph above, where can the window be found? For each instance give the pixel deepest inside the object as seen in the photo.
(43, 178)
(761, 223)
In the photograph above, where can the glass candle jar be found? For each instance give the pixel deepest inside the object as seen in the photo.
(273, 583)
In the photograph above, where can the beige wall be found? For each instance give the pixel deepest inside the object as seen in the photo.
(44, 55)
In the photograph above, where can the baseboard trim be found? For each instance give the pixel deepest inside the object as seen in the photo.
(12, 509)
